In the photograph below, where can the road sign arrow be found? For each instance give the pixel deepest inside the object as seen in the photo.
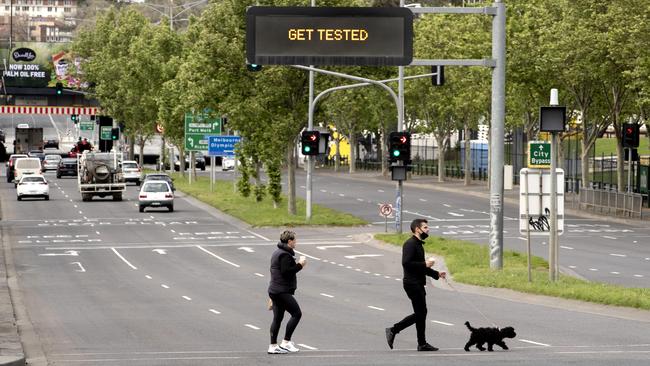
(363, 256)
(73, 253)
(246, 249)
(190, 142)
(160, 251)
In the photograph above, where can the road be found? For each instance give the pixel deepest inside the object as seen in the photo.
(103, 284)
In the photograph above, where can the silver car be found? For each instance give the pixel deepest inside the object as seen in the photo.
(51, 162)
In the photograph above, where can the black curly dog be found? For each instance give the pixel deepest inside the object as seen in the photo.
(491, 336)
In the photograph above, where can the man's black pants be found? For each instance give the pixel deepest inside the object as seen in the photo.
(417, 294)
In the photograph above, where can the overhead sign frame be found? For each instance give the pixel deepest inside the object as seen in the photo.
(329, 36)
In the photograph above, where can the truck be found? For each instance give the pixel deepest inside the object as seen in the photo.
(98, 174)
(28, 139)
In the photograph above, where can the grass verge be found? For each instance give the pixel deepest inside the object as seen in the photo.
(260, 213)
(468, 263)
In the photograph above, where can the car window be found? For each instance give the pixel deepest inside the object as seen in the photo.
(130, 165)
(33, 179)
(52, 157)
(156, 187)
(28, 164)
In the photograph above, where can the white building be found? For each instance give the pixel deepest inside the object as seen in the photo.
(38, 20)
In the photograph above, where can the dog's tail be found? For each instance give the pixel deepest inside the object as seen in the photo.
(469, 326)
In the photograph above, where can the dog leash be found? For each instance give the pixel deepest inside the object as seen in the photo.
(470, 303)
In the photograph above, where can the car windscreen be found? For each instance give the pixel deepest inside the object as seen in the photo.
(33, 180)
(155, 187)
(129, 165)
(28, 164)
(52, 157)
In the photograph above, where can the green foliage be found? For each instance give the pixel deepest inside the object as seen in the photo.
(243, 184)
(469, 263)
(275, 179)
(260, 213)
(260, 192)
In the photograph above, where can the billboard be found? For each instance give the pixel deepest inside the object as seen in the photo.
(39, 65)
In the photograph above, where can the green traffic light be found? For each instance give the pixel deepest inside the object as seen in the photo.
(306, 149)
(396, 153)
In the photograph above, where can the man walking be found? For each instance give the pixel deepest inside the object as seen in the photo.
(416, 268)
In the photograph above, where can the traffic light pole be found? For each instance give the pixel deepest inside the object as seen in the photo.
(310, 126)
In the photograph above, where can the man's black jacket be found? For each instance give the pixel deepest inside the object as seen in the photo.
(415, 268)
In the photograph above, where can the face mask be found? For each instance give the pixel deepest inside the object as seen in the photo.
(423, 236)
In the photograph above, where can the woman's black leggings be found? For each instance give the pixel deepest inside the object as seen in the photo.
(282, 303)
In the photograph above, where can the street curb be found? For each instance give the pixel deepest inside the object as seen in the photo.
(11, 348)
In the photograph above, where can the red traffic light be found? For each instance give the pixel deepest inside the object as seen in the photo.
(312, 137)
(403, 139)
(629, 130)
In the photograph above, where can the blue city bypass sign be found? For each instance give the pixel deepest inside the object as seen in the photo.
(222, 145)
(329, 36)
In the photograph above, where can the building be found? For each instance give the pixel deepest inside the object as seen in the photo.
(38, 20)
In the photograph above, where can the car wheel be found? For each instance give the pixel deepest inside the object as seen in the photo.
(19, 198)
(171, 208)
(137, 182)
(47, 198)
(203, 167)
(141, 208)
(8, 178)
(58, 176)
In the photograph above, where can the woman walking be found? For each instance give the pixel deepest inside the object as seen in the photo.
(281, 290)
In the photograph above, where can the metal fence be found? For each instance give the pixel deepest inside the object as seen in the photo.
(610, 202)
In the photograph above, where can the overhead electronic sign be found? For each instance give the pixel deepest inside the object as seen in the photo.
(329, 36)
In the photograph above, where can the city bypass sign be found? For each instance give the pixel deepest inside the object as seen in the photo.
(539, 154)
(329, 36)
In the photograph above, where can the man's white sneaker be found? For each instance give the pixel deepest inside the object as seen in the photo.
(275, 349)
(289, 346)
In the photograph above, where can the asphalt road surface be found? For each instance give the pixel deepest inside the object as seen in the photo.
(103, 284)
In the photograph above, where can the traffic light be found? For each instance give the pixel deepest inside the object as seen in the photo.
(59, 88)
(309, 141)
(438, 77)
(115, 133)
(399, 147)
(74, 118)
(630, 135)
(253, 67)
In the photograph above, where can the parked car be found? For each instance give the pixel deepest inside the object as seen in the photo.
(32, 186)
(51, 162)
(156, 193)
(160, 176)
(131, 171)
(67, 166)
(26, 166)
(228, 163)
(11, 164)
(199, 162)
(54, 143)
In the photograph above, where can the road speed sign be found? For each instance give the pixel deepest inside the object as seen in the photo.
(385, 209)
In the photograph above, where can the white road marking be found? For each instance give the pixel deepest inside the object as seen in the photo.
(149, 277)
(634, 242)
(326, 295)
(72, 253)
(164, 286)
(341, 195)
(617, 255)
(215, 311)
(615, 272)
(75, 206)
(537, 343)
(259, 274)
(443, 323)
(377, 274)
(173, 231)
(455, 214)
(398, 279)
(360, 199)
(363, 256)
(219, 258)
(306, 346)
(638, 275)
(593, 269)
(572, 267)
(609, 237)
(324, 247)
(246, 249)
(366, 272)
(97, 232)
(124, 259)
(324, 191)
(307, 255)
(160, 251)
(565, 247)
(302, 187)
(259, 236)
(81, 213)
(376, 308)
(82, 269)
(446, 205)
(334, 263)
(251, 325)
(187, 298)
(422, 200)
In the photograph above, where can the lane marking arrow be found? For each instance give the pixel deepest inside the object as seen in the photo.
(363, 256)
(160, 251)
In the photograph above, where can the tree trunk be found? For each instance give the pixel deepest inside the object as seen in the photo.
(291, 180)
(468, 156)
(337, 156)
(353, 158)
(441, 158)
(131, 148)
(141, 143)
(584, 158)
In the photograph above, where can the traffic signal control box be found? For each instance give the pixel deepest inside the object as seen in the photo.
(310, 141)
(399, 147)
(630, 135)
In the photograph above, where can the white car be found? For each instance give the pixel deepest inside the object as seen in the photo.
(33, 186)
(228, 163)
(131, 171)
(156, 193)
(26, 166)
(51, 162)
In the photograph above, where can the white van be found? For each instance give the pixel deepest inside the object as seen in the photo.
(24, 166)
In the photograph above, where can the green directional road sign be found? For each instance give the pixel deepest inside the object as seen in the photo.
(105, 133)
(539, 154)
(198, 126)
(87, 125)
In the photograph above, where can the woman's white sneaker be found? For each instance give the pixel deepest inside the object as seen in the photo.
(275, 349)
(289, 346)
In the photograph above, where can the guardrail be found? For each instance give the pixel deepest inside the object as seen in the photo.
(610, 201)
